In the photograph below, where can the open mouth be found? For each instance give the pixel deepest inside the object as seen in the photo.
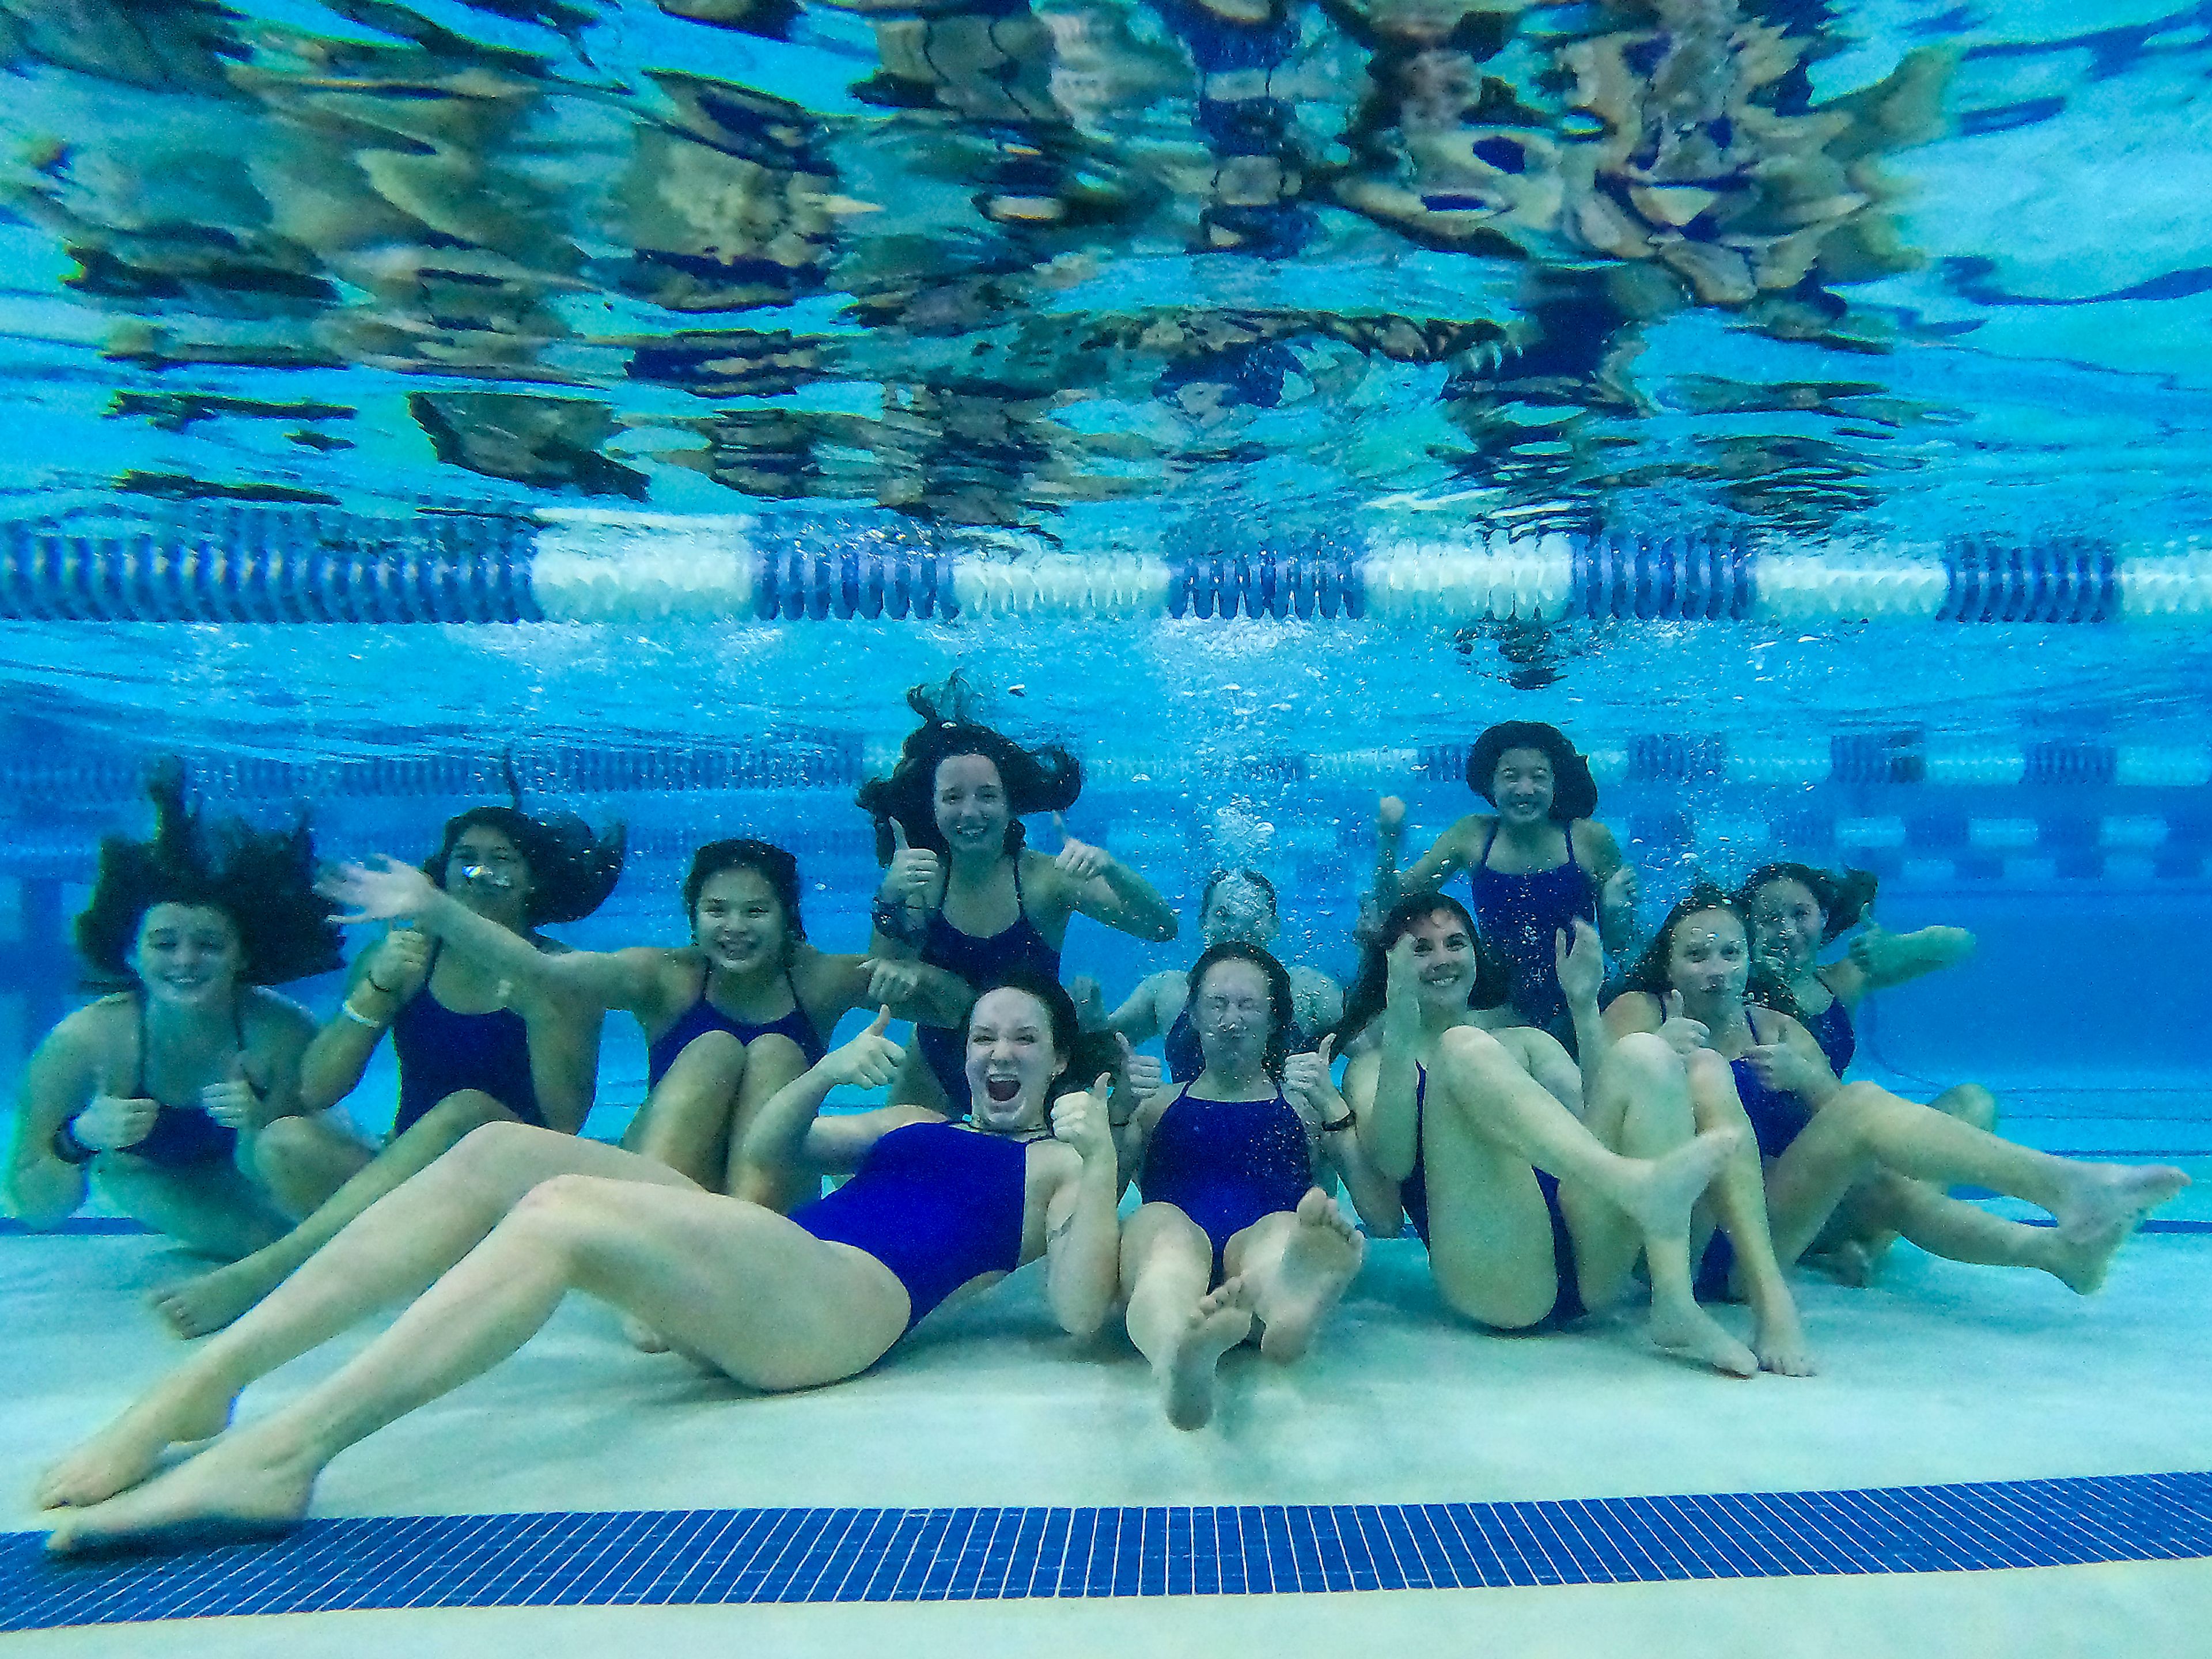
(1002, 1089)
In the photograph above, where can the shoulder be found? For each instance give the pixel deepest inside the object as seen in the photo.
(1846, 979)
(1593, 841)
(90, 1029)
(269, 1014)
(1468, 833)
(1312, 980)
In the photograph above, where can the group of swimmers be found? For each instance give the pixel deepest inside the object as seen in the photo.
(1556, 1136)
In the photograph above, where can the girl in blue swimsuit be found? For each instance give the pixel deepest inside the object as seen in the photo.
(933, 1209)
(158, 1095)
(1842, 1157)
(961, 891)
(1516, 1166)
(1234, 1230)
(1534, 863)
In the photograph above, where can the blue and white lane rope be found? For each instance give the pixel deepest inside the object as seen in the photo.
(253, 565)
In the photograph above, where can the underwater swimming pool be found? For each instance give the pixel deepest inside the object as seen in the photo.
(607, 410)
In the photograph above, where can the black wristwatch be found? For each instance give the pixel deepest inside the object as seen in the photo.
(894, 920)
(68, 1148)
(1340, 1126)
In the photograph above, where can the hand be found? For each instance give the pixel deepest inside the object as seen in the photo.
(870, 1061)
(1367, 928)
(1779, 1066)
(1402, 989)
(1390, 818)
(1306, 1082)
(912, 879)
(892, 981)
(1078, 860)
(1141, 1074)
(1870, 950)
(399, 963)
(1083, 992)
(1581, 963)
(1622, 892)
(231, 1103)
(389, 890)
(113, 1123)
(1684, 1036)
(1082, 1122)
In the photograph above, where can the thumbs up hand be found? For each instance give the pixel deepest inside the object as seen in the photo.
(870, 1061)
(912, 877)
(1078, 860)
(231, 1101)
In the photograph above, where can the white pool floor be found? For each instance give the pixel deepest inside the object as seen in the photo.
(1939, 1374)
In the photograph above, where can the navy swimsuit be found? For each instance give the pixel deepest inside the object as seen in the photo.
(1778, 1117)
(1224, 1164)
(938, 1206)
(703, 1017)
(181, 1135)
(978, 961)
(1413, 1196)
(1519, 915)
(442, 1053)
(1831, 1029)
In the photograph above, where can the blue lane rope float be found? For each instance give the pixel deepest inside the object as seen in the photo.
(247, 564)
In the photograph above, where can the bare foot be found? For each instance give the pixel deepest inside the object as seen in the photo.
(1217, 1324)
(1660, 1194)
(1778, 1340)
(2102, 1196)
(642, 1336)
(232, 1490)
(1688, 1330)
(1849, 1263)
(1324, 1252)
(2080, 1264)
(130, 1448)
(210, 1302)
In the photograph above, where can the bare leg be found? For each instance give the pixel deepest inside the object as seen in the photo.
(770, 1062)
(302, 1161)
(685, 1121)
(213, 1300)
(1298, 1264)
(1960, 1232)
(392, 1250)
(738, 1284)
(1855, 1253)
(1739, 1199)
(1166, 1261)
(1865, 1126)
(209, 1207)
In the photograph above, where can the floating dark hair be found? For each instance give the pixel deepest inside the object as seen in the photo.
(1649, 973)
(1281, 1004)
(1046, 779)
(1205, 895)
(263, 880)
(572, 871)
(1574, 791)
(1370, 990)
(1088, 1052)
(1844, 895)
(764, 858)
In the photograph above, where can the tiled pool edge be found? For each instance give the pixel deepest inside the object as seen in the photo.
(719, 1557)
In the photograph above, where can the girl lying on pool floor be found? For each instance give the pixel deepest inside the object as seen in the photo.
(487, 1241)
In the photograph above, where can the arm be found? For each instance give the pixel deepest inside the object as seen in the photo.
(911, 990)
(1553, 1067)
(1581, 962)
(629, 980)
(1334, 1129)
(1792, 1061)
(1883, 959)
(903, 899)
(378, 984)
(786, 1134)
(1389, 1127)
(1097, 884)
(1138, 1019)
(1613, 881)
(1447, 858)
(1083, 1231)
(43, 1190)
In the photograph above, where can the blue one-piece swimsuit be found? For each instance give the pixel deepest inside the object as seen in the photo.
(442, 1053)
(1778, 1117)
(1224, 1164)
(938, 1206)
(1519, 915)
(1831, 1029)
(978, 961)
(1413, 1197)
(703, 1017)
(181, 1135)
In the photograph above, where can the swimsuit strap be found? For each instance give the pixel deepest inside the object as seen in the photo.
(706, 976)
(1020, 903)
(1489, 841)
(1570, 832)
(138, 1007)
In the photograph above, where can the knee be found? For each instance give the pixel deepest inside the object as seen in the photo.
(283, 1146)
(1647, 1059)
(497, 1142)
(1972, 1103)
(560, 1210)
(1464, 1045)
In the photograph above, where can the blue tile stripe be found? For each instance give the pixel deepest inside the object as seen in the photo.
(715, 1557)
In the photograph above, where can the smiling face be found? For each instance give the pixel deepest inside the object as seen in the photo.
(486, 872)
(971, 802)
(1238, 908)
(187, 954)
(1786, 924)
(1234, 1015)
(1444, 956)
(1012, 1060)
(1522, 786)
(740, 922)
(1708, 959)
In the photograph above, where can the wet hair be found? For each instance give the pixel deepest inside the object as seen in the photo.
(571, 870)
(1205, 894)
(1088, 1052)
(1574, 791)
(764, 858)
(1282, 1006)
(1370, 990)
(1649, 972)
(263, 880)
(1844, 895)
(1046, 779)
